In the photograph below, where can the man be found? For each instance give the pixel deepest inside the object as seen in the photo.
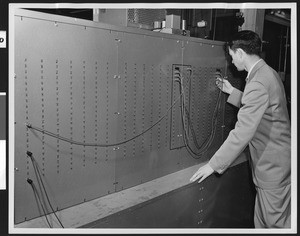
(263, 124)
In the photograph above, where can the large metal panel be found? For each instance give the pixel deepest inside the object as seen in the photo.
(98, 84)
(64, 84)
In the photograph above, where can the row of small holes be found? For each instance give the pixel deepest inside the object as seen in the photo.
(167, 105)
(151, 115)
(107, 106)
(204, 114)
(43, 114)
(27, 112)
(199, 108)
(71, 113)
(159, 107)
(134, 106)
(144, 101)
(57, 113)
(84, 112)
(125, 107)
(96, 109)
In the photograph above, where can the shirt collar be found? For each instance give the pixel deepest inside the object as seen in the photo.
(252, 68)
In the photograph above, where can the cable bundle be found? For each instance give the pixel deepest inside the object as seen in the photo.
(196, 154)
(40, 180)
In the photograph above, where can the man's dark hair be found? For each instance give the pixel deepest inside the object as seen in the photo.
(247, 40)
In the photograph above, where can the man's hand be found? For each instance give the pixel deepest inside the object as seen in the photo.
(202, 173)
(223, 84)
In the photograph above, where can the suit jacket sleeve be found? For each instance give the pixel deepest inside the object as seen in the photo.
(255, 102)
(235, 97)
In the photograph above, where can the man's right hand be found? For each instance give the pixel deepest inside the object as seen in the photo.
(223, 84)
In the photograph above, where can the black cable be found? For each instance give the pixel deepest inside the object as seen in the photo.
(37, 194)
(185, 113)
(34, 163)
(30, 126)
(206, 143)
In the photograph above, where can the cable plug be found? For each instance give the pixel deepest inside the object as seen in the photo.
(29, 181)
(29, 153)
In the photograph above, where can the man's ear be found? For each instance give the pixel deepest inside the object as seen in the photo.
(240, 52)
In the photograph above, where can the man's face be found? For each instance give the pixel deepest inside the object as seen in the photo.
(237, 59)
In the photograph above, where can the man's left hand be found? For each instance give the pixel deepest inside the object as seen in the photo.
(202, 173)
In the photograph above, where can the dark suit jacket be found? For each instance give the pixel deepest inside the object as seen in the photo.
(263, 124)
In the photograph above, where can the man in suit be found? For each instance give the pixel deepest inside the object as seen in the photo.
(263, 124)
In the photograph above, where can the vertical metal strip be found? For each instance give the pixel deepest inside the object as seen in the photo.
(159, 106)
(223, 105)
(42, 113)
(125, 108)
(188, 74)
(107, 110)
(193, 95)
(134, 109)
(203, 114)
(199, 103)
(71, 113)
(117, 108)
(206, 127)
(152, 103)
(96, 112)
(84, 111)
(57, 113)
(181, 136)
(26, 110)
(167, 105)
(143, 106)
(172, 120)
